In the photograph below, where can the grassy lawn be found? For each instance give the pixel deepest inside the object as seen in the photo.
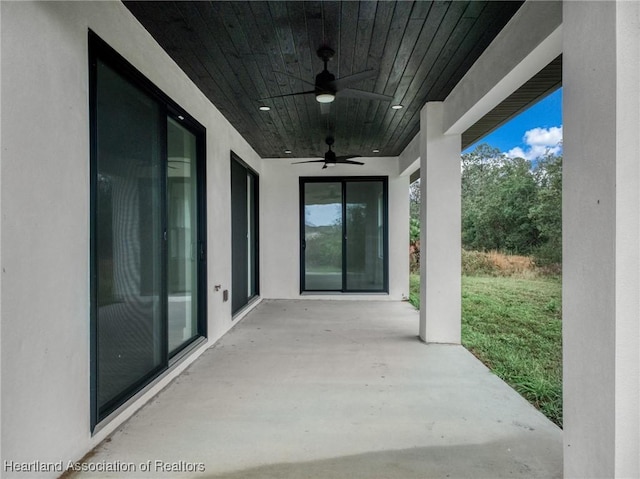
(514, 327)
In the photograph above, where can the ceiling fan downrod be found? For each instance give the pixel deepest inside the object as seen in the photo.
(325, 92)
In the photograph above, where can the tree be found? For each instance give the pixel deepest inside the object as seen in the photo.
(507, 208)
(479, 171)
(414, 226)
(414, 200)
(507, 205)
(497, 195)
(546, 214)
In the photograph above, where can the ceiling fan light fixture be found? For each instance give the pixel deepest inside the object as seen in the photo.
(325, 97)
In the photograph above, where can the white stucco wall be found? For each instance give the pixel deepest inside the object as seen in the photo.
(1, 275)
(601, 236)
(409, 159)
(45, 216)
(280, 225)
(440, 233)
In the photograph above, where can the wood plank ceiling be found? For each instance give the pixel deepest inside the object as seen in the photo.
(241, 52)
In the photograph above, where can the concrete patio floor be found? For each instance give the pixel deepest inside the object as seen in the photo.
(336, 389)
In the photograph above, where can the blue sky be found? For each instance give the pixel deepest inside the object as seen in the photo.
(322, 215)
(532, 133)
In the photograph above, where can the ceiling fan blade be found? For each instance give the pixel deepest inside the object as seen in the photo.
(295, 77)
(325, 108)
(349, 162)
(344, 82)
(346, 157)
(365, 95)
(288, 94)
(308, 161)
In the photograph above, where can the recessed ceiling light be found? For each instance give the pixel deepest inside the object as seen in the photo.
(376, 151)
(397, 107)
(264, 108)
(288, 152)
(180, 117)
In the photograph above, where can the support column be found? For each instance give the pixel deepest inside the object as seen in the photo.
(601, 211)
(440, 236)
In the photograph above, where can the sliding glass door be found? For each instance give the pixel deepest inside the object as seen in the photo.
(244, 234)
(147, 231)
(343, 234)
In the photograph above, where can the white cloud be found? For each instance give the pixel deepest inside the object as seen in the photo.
(544, 136)
(516, 152)
(539, 141)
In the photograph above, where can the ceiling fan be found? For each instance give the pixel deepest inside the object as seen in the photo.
(327, 87)
(330, 158)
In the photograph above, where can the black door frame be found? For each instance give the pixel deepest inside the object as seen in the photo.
(343, 180)
(235, 159)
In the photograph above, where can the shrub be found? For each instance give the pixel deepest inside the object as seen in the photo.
(494, 263)
(477, 263)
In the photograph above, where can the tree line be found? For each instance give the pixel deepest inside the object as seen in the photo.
(511, 205)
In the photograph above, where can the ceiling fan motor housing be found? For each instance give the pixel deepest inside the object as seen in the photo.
(330, 157)
(324, 84)
(326, 53)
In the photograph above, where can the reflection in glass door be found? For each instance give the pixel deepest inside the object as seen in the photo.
(344, 234)
(322, 243)
(127, 240)
(365, 236)
(182, 238)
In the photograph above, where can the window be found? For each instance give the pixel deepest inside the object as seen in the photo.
(343, 233)
(147, 230)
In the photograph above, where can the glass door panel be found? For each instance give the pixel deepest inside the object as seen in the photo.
(364, 236)
(128, 237)
(252, 222)
(244, 234)
(182, 235)
(322, 236)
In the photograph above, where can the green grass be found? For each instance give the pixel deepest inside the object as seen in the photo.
(514, 327)
(414, 290)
